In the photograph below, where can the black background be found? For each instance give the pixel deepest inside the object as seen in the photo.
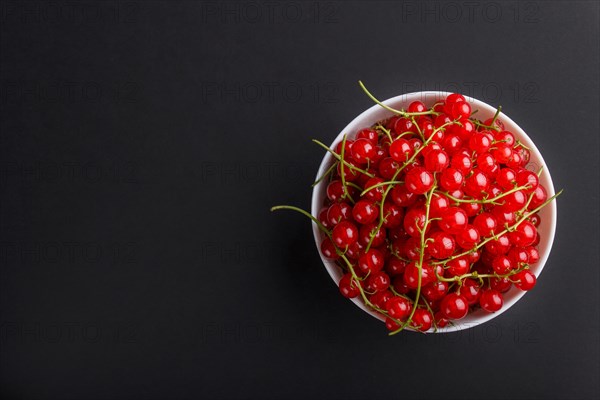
(143, 142)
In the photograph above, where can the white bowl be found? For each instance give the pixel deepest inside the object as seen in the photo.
(485, 111)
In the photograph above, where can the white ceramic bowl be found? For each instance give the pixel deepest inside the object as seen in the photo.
(485, 111)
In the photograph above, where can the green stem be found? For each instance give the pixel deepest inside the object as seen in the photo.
(399, 112)
(325, 174)
(420, 264)
(337, 157)
(309, 215)
(508, 229)
(485, 201)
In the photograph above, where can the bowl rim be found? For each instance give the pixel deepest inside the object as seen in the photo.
(550, 211)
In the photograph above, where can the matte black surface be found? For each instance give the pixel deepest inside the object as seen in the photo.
(143, 142)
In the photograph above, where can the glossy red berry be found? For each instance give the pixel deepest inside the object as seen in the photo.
(453, 220)
(371, 262)
(418, 180)
(363, 151)
(468, 237)
(398, 307)
(436, 161)
(348, 287)
(491, 300)
(454, 306)
(365, 211)
(422, 320)
(328, 249)
(344, 234)
(378, 281)
(401, 150)
(441, 245)
(524, 280)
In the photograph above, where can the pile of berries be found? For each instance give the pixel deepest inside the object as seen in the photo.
(431, 214)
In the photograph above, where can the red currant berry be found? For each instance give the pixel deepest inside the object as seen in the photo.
(467, 238)
(344, 234)
(457, 267)
(524, 280)
(376, 193)
(369, 134)
(339, 212)
(502, 265)
(335, 190)
(381, 298)
(401, 150)
(402, 197)
(451, 179)
(395, 266)
(514, 201)
(393, 215)
(477, 184)
(486, 224)
(502, 153)
(378, 281)
(422, 320)
(472, 209)
(539, 197)
(438, 204)
(435, 290)
(524, 234)
(488, 165)
(411, 275)
(505, 137)
(452, 143)
(500, 284)
(453, 220)
(498, 246)
(388, 167)
(436, 161)
(416, 107)
(403, 125)
(414, 221)
(370, 262)
(391, 325)
(363, 151)
(398, 307)
(518, 256)
(479, 143)
(441, 245)
(328, 249)
(365, 211)
(461, 162)
(418, 180)
(506, 178)
(534, 255)
(470, 290)
(529, 179)
(491, 300)
(348, 287)
(370, 231)
(454, 306)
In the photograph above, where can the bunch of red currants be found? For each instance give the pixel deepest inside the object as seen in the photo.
(432, 214)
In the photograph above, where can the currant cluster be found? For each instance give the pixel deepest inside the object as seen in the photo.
(431, 214)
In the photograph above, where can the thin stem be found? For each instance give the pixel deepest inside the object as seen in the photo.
(301, 211)
(386, 131)
(379, 185)
(343, 174)
(337, 157)
(428, 197)
(485, 201)
(508, 229)
(325, 174)
(399, 112)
